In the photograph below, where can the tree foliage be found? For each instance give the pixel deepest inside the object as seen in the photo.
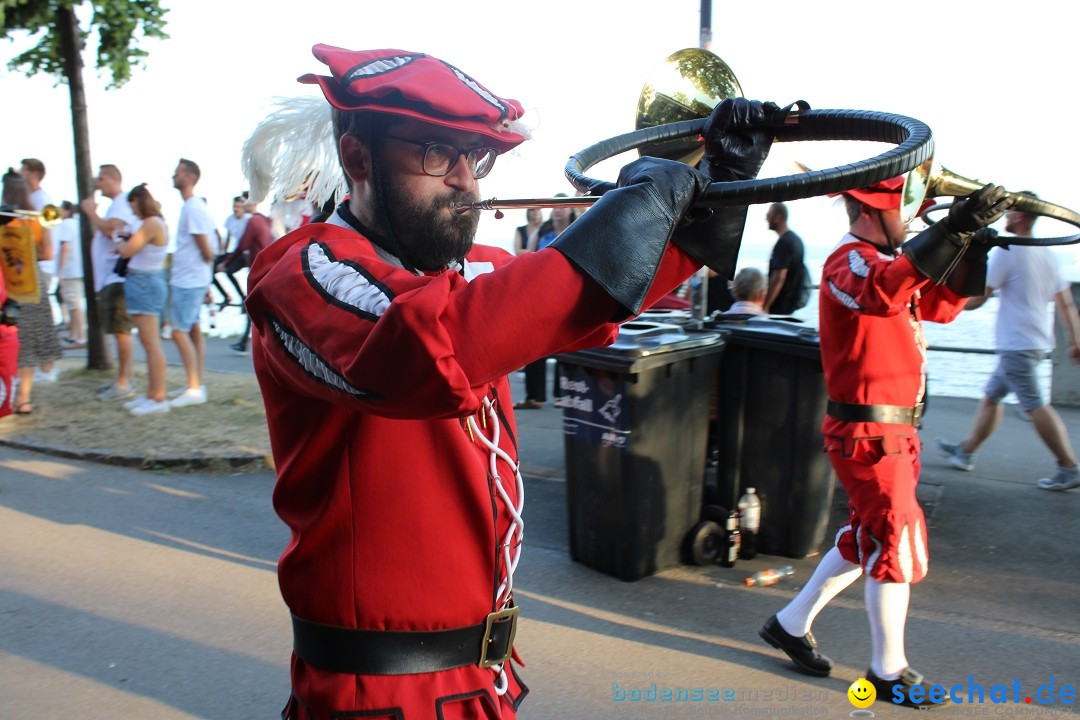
(61, 40)
(119, 25)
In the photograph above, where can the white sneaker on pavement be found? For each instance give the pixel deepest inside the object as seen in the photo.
(957, 457)
(180, 391)
(41, 376)
(134, 402)
(112, 392)
(1064, 479)
(151, 406)
(190, 396)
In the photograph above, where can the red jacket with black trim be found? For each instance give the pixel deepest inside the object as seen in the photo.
(872, 346)
(368, 373)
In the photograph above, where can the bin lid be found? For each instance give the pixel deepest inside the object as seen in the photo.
(671, 317)
(782, 334)
(643, 344)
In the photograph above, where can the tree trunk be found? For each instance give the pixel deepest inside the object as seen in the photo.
(67, 26)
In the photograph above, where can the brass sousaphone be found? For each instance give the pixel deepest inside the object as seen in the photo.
(933, 181)
(672, 111)
(48, 216)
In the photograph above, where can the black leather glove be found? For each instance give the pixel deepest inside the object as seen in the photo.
(620, 241)
(983, 207)
(969, 277)
(936, 251)
(736, 146)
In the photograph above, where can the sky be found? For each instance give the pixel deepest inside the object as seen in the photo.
(994, 81)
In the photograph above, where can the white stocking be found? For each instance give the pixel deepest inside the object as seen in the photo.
(832, 575)
(887, 607)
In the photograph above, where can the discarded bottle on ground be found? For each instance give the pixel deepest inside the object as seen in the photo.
(771, 576)
(730, 540)
(749, 523)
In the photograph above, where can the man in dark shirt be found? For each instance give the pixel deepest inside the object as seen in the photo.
(785, 265)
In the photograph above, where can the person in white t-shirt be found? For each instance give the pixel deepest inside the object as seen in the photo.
(68, 234)
(32, 171)
(189, 280)
(108, 285)
(235, 225)
(1027, 280)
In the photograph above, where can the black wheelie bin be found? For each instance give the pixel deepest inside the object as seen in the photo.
(635, 420)
(771, 398)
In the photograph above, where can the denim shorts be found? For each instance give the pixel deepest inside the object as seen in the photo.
(1015, 372)
(144, 291)
(185, 306)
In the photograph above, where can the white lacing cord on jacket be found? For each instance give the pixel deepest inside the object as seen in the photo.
(511, 544)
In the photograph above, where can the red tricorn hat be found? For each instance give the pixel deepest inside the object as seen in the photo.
(415, 85)
(884, 195)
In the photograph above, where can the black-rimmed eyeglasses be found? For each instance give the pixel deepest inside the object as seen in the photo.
(440, 157)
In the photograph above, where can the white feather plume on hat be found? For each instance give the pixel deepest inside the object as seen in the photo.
(293, 149)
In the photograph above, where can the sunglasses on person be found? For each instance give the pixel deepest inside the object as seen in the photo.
(440, 157)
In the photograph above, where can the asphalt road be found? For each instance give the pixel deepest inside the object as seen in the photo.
(126, 594)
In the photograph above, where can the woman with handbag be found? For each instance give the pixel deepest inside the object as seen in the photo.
(144, 292)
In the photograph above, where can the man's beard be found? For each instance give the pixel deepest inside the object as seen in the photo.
(425, 235)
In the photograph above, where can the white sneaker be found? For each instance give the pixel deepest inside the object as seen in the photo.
(180, 391)
(151, 406)
(135, 402)
(40, 376)
(189, 397)
(1064, 479)
(111, 392)
(954, 452)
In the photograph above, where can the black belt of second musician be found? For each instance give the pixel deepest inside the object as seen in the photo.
(393, 652)
(895, 414)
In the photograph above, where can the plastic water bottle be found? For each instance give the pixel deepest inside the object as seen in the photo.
(749, 523)
(770, 576)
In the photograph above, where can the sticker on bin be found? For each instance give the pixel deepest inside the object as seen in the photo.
(594, 408)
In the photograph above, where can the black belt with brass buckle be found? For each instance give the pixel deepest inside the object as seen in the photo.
(895, 414)
(394, 652)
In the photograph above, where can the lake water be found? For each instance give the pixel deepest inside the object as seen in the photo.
(951, 373)
(954, 374)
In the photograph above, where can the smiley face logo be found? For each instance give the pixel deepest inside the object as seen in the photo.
(861, 693)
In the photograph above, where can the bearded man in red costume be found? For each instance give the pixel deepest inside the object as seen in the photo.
(873, 352)
(382, 341)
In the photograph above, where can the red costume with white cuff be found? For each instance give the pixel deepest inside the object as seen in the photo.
(874, 353)
(9, 358)
(380, 387)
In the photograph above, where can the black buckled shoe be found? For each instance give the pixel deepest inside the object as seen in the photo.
(802, 650)
(908, 679)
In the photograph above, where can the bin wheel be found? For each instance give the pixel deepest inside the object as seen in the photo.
(705, 540)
